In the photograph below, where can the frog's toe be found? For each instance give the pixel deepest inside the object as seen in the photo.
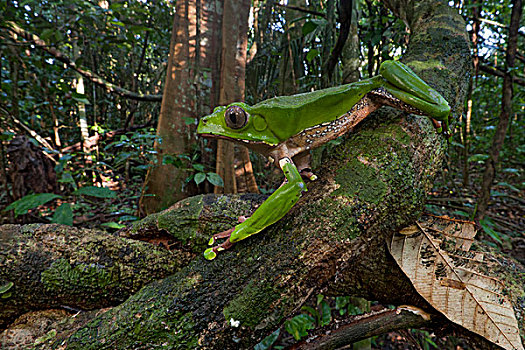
(209, 254)
(437, 125)
(223, 234)
(308, 175)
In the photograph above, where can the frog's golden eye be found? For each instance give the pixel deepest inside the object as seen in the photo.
(235, 117)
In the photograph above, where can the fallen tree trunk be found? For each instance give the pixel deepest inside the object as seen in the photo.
(333, 242)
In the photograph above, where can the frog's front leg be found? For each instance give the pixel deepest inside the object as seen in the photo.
(302, 161)
(405, 85)
(271, 211)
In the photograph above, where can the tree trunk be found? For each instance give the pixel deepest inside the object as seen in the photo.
(233, 67)
(504, 117)
(163, 184)
(288, 72)
(333, 241)
(350, 57)
(465, 128)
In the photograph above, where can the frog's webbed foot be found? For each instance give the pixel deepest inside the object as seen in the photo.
(308, 175)
(211, 253)
(406, 86)
(440, 127)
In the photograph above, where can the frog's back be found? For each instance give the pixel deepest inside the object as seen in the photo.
(288, 115)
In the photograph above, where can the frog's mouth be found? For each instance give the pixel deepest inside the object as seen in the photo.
(240, 141)
(222, 137)
(258, 146)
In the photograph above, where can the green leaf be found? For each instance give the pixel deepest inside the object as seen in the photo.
(82, 98)
(326, 314)
(169, 159)
(188, 120)
(128, 218)
(199, 177)
(320, 298)
(461, 213)
(457, 144)
(118, 24)
(480, 158)
(354, 310)
(340, 304)
(313, 312)
(299, 325)
(308, 27)
(93, 191)
(198, 167)
(47, 33)
(63, 215)
(513, 188)
(215, 179)
(67, 178)
(511, 170)
(113, 224)
(267, 342)
(490, 231)
(6, 287)
(6, 136)
(313, 53)
(31, 201)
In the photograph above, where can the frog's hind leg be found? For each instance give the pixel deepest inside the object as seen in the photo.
(211, 253)
(384, 97)
(225, 234)
(405, 85)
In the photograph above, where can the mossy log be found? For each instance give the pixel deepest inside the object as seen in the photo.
(332, 242)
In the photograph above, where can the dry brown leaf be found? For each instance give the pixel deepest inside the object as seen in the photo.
(449, 281)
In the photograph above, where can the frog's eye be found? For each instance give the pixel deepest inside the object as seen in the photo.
(235, 117)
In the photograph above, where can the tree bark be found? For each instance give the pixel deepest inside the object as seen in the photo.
(53, 266)
(333, 241)
(163, 184)
(232, 86)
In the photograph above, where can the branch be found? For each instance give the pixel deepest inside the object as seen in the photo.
(368, 325)
(500, 73)
(345, 18)
(497, 24)
(301, 9)
(53, 266)
(30, 131)
(15, 29)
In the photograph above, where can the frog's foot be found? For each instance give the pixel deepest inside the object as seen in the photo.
(307, 174)
(437, 125)
(223, 234)
(211, 253)
(440, 127)
(302, 161)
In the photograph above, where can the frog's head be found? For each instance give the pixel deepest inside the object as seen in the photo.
(237, 122)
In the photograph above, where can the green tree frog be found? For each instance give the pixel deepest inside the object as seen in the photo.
(286, 128)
